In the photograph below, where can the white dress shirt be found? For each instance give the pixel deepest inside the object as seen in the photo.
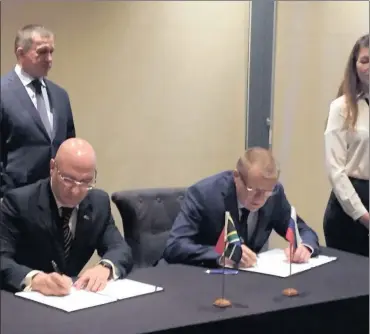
(26, 80)
(347, 154)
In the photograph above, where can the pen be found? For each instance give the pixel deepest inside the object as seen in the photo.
(222, 271)
(55, 267)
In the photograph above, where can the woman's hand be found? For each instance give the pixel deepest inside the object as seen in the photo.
(365, 220)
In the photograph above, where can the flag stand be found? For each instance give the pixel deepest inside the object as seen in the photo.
(290, 292)
(222, 302)
(228, 245)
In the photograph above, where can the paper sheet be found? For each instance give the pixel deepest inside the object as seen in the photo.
(80, 299)
(126, 288)
(274, 262)
(76, 300)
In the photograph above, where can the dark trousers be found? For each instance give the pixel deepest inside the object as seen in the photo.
(340, 230)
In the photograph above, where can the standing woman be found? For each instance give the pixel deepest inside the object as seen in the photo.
(346, 220)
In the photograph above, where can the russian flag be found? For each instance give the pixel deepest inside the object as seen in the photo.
(292, 233)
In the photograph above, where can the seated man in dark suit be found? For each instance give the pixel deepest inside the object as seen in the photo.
(257, 204)
(54, 226)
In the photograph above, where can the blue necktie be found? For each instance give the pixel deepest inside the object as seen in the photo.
(41, 106)
(244, 225)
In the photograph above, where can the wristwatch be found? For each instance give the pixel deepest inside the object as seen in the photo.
(107, 265)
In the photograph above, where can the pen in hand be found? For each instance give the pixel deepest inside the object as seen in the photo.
(55, 267)
(65, 283)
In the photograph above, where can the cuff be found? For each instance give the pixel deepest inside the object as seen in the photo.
(115, 272)
(26, 284)
(309, 247)
(359, 212)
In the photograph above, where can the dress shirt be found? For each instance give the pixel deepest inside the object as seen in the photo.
(347, 154)
(26, 80)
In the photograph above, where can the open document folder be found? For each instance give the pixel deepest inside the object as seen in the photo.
(80, 299)
(274, 262)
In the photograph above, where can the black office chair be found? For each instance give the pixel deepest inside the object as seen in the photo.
(147, 217)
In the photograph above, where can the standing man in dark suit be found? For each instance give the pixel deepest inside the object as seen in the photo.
(257, 204)
(56, 225)
(35, 113)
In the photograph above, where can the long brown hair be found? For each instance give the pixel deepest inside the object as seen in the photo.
(351, 84)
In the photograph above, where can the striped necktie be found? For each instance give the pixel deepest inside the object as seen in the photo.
(67, 234)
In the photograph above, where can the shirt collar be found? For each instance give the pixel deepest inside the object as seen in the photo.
(25, 78)
(241, 207)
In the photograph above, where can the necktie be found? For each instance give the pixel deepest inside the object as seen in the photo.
(67, 234)
(41, 106)
(244, 225)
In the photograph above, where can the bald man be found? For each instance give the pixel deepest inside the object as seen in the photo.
(50, 229)
(257, 204)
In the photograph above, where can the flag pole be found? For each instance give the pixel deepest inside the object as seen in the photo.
(290, 292)
(223, 302)
(223, 278)
(291, 258)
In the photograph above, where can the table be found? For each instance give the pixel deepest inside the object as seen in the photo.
(334, 299)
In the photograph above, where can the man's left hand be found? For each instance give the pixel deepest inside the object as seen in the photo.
(301, 254)
(94, 279)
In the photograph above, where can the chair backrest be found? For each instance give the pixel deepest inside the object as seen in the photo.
(147, 218)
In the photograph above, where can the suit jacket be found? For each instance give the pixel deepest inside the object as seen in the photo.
(31, 235)
(198, 226)
(25, 146)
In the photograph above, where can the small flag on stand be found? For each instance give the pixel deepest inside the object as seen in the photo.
(294, 239)
(228, 246)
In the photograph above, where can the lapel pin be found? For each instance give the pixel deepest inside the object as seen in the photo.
(86, 217)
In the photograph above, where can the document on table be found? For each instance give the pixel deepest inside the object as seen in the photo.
(274, 262)
(126, 288)
(81, 299)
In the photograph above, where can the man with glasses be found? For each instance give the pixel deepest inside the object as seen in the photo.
(257, 204)
(50, 229)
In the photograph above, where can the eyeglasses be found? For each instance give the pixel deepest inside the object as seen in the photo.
(74, 183)
(256, 191)
(260, 192)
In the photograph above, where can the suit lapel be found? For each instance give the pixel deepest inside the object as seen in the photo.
(48, 218)
(20, 93)
(83, 226)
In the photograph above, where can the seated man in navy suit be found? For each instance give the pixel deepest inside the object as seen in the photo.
(257, 204)
(50, 229)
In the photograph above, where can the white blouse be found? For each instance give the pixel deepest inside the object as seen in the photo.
(347, 154)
